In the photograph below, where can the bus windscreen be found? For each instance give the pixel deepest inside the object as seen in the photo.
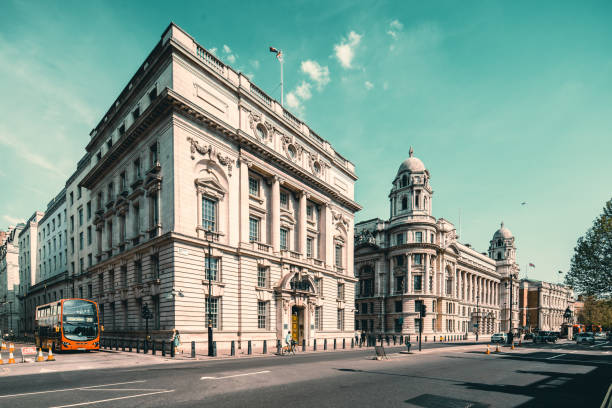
(80, 321)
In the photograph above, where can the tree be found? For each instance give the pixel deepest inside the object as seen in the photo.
(591, 267)
(596, 312)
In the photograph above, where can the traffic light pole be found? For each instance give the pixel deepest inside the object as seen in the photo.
(420, 332)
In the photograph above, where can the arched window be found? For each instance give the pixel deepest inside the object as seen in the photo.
(404, 203)
(499, 242)
(499, 256)
(404, 181)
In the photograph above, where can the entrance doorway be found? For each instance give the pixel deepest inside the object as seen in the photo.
(297, 324)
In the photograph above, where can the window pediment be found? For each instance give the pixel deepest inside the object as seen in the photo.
(210, 186)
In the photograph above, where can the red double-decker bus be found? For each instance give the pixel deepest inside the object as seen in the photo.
(68, 324)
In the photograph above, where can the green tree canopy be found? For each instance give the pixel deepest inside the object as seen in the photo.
(591, 268)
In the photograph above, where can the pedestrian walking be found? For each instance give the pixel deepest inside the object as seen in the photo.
(176, 341)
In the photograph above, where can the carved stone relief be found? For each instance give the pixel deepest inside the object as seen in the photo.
(212, 154)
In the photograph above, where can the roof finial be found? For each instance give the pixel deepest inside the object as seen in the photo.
(411, 151)
(502, 224)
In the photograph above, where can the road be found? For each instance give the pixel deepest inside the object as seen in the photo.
(547, 375)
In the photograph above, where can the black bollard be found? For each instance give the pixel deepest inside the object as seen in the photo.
(334, 344)
(324, 344)
(153, 347)
(394, 340)
(250, 349)
(265, 347)
(387, 339)
(145, 348)
(130, 346)
(303, 345)
(193, 349)
(233, 349)
(343, 343)
(352, 343)
(116, 344)
(214, 349)
(315, 345)
(137, 345)
(172, 351)
(122, 345)
(163, 348)
(278, 347)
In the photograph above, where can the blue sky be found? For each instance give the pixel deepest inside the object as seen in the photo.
(504, 102)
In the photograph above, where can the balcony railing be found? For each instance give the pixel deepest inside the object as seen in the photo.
(261, 95)
(211, 60)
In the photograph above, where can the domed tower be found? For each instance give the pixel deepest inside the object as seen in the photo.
(411, 192)
(501, 247)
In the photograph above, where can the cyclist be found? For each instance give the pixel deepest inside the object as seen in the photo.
(288, 341)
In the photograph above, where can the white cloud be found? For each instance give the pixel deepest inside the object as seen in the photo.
(394, 27)
(228, 55)
(385, 85)
(292, 100)
(213, 50)
(369, 85)
(345, 51)
(303, 91)
(13, 220)
(255, 64)
(317, 73)
(29, 155)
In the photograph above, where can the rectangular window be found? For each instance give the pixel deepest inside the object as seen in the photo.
(71, 246)
(136, 169)
(318, 318)
(153, 154)
(88, 236)
(89, 291)
(209, 214)
(136, 113)
(399, 306)
(71, 198)
(80, 217)
(81, 265)
(309, 212)
(399, 284)
(262, 314)
(398, 325)
(138, 271)
(81, 241)
(253, 187)
(418, 282)
(111, 191)
(262, 277)
(319, 286)
(417, 325)
(340, 319)
(212, 268)
(431, 238)
(78, 192)
(284, 199)
(253, 229)
(284, 235)
(122, 181)
(155, 266)
(399, 238)
(309, 245)
(418, 304)
(152, 94)
(339, 255)
(341, 291)
(213, 303)
(418, 260)
(89, 210)
(418, 236)
(89, 260)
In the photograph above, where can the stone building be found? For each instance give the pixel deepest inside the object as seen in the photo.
(28, 267)
(10, 307)
(414, 259)
(543, 305)
(192, 157)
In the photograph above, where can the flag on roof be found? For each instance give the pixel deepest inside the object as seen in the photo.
(532, 265)
(279, 53)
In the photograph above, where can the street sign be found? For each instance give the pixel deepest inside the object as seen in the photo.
(27, 351)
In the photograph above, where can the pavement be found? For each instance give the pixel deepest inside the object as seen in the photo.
(459, 375)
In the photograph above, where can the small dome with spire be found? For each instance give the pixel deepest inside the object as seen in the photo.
(412, 164)
(502, 232)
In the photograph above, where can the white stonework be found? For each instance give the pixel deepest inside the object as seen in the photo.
(544, 304)
(192, 145)
(414, 258)
(10, 307)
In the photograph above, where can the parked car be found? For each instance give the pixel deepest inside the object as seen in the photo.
(586, 337)
(528, 336)
(600, 335)
(499, 338)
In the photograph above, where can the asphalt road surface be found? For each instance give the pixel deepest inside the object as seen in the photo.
(529, 377)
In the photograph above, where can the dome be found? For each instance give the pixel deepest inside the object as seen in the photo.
(412, 164)
(502, 232)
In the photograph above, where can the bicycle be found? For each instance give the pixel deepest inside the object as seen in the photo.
(290, 348)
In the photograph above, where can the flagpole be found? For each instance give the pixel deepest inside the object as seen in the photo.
(282, 93)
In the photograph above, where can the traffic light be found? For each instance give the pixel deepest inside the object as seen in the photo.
(423, 310)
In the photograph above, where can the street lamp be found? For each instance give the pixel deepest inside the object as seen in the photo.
(510, 335)
(10, 315)
(207, 267)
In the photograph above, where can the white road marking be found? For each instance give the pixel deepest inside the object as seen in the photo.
(112, 399)
(235, 375)
(558, 355)
(606, 398)
(69, 389)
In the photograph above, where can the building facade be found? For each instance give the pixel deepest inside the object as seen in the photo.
(543, 305)
(414, 259)
(195, 175)
(10, 307)
(28, 261)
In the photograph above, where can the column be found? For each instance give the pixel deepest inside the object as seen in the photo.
(302, 225)
(275, 233)
(244, 203)
(409, 282)
(426, 290)
(464, 281)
